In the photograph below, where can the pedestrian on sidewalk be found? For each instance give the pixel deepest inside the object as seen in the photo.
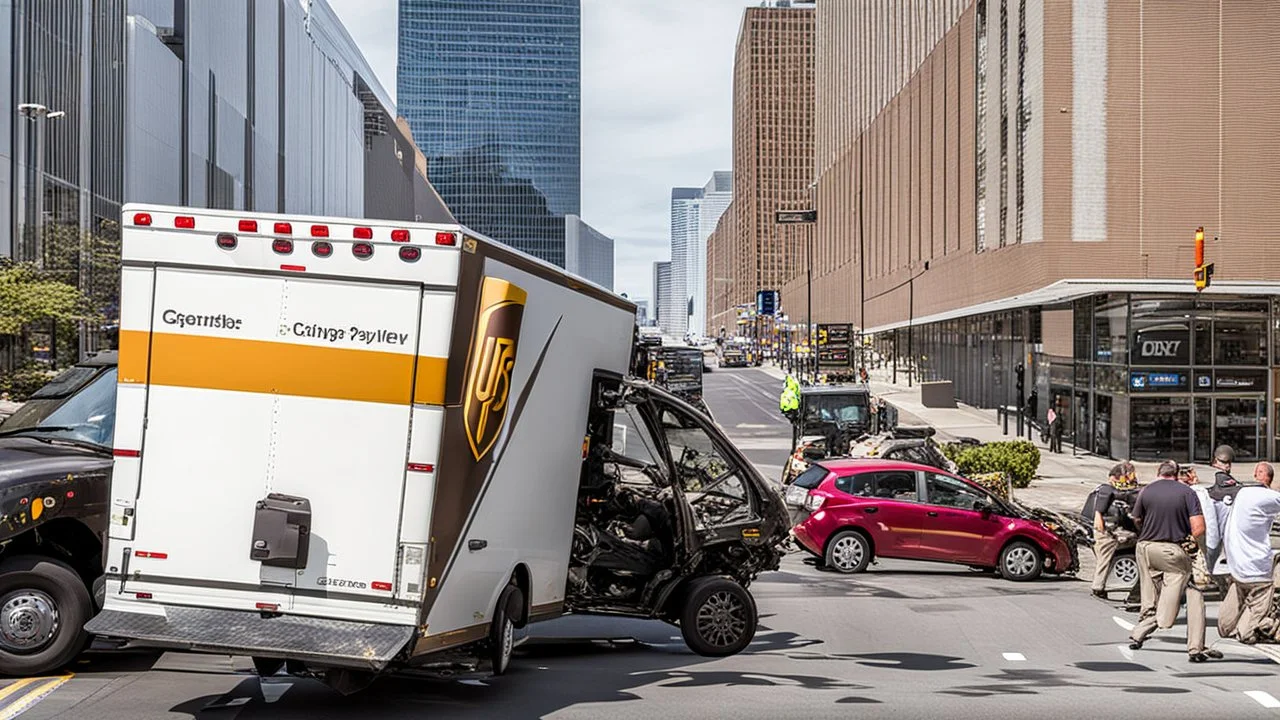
(1055, 427)
(1244, 612)
(1170, 521)
(1033, 407)
(1109, 505)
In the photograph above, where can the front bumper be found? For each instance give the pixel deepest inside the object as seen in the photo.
(324, 642)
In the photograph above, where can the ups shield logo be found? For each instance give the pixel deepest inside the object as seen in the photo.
(493, 357)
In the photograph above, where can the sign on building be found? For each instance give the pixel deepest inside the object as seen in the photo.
(835, 346)
(766, 302)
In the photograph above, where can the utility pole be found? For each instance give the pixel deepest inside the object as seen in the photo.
(37, 114)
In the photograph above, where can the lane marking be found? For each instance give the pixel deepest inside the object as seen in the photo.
(16, 686)
(40, 688)
(1265, 699)
(1015, 657)
(1123, 623)
(1126, 652)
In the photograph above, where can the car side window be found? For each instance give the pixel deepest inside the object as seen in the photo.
(860, 485)
(950, 492)
(896, 485)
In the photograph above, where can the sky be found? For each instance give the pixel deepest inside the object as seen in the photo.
(657, 86)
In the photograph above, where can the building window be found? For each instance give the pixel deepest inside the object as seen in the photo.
(1110, 329)
(980, 125)
(1022, 118)
(1004, 122)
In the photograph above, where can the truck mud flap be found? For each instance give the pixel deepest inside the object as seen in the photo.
(327, 643)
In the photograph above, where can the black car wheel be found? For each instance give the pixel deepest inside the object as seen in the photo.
(1021, 561)
(44, 605)
(719, 617)
(848, 552)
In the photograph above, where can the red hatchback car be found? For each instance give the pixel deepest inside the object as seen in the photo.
(859, 509)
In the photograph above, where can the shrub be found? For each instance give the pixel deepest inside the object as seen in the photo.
(1019, 458)
(20, 382)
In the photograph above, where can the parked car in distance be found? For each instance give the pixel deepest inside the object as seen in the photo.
(850, 511)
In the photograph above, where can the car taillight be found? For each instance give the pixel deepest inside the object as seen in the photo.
(814, 502)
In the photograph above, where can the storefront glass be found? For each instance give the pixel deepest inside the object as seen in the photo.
(1110, 334)
(1161, 428)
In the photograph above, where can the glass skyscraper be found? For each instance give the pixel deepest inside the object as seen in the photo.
(491, 89)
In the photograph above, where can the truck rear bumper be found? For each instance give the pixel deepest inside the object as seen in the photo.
(322, 642)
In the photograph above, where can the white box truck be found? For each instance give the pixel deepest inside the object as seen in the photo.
(348, 446)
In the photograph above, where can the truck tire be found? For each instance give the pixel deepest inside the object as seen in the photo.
(502, 629)
(719, 617)
(44, 605)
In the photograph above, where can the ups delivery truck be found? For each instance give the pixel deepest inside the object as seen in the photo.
(345, 447)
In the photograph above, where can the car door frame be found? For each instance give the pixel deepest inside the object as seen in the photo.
(972, 546)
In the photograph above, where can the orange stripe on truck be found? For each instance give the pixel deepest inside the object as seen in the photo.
(261, 366)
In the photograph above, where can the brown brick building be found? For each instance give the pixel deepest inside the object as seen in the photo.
(772, 160)
(1049, 162)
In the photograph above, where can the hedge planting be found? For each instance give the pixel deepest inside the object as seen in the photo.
(1019, 458)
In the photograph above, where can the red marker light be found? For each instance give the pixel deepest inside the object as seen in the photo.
(152, 555)
(321, 249)
(362, 250)
(227, 241)
(121, 452)
(269, 607)
(142, 219)
(399, 236)
(294, 268)
(283, 247)
(446, 238)
(381, 586)
(319, 231)
(362, 233)
(410, 254)
(142, 595)
(185, 222)
(421, 467)
(284, 229)
(250, 226)
(71, 493)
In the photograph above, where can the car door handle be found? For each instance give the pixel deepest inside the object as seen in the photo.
(932, 514)
(474, 545)
(870, 510)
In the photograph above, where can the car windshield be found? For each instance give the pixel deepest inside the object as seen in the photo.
(836, 408)
(87, 416)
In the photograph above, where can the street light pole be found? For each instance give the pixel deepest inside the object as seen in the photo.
(808, 286)
(37, 113)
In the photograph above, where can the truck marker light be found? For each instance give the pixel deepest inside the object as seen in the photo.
(421, 467)
(362, 233)
(294, 268)
(71, 493)
(400, 235)
(362, 250)
(249, 226)
(142, 595)
(152, 555)
(446, 238)
(185, 222)
(381, 586)
(142, 218)
(269, 607)
(319, 231)
(227, 241)
(321, 249)
(284, 229)
(410, 254)
(281, 246)
(121, 452)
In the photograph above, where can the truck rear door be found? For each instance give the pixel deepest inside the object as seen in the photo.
(261, 385)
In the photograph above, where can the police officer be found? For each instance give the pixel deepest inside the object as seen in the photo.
(1170, 521)
(789, 402)
(1111, 501)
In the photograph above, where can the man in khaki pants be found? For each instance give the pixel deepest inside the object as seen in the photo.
(1170, 521)
(1245, 613)
(1109, 530)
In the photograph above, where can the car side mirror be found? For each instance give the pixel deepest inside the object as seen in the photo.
(984, 507)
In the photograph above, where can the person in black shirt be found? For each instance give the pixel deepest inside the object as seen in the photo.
(1169, 520)
(1109, 517)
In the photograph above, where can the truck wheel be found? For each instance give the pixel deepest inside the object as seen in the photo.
(44, 605)
(719, 617)
(1021, 561)
(502, 629)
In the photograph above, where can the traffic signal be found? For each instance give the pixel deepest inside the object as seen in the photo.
(1018, 378)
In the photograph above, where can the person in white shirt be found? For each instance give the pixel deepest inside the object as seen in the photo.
(1211, 542)
(1247, 542)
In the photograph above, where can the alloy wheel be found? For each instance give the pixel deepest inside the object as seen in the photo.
(847, 553)
(1020, 561)
(722, 619)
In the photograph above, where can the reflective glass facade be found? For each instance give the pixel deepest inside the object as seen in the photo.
(491, 89)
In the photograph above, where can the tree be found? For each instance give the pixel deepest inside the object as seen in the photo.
(29, 296)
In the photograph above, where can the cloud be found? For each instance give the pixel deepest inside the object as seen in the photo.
(657, 94)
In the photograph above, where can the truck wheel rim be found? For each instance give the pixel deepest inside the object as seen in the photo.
(847, 553)
(722, 619)
(1020, 561)
(1126, 571)
(28, 621)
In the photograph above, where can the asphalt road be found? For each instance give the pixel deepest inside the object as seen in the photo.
(902, 640)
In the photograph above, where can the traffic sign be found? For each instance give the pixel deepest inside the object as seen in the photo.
(797, 216)
(766, 302)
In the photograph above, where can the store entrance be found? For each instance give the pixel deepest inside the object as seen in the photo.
(1238, 421)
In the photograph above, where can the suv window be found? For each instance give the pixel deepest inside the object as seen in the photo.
(952, 493)
(896, 485)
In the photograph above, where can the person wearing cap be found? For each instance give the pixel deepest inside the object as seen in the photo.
(1109, 522)
(1170, 521)
(1221, 494)
(1244, 612)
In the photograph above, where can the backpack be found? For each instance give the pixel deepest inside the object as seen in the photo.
(1117, 514)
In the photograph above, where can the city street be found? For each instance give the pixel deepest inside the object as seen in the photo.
(903, 640)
